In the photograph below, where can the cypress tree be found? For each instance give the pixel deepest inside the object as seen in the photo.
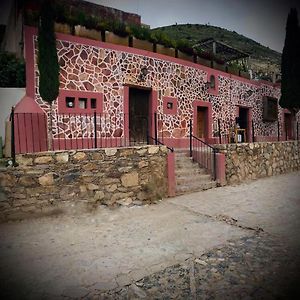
(47, 55)
(290, 65)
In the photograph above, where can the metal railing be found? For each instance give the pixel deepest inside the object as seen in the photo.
(278, 131)
(203, 153)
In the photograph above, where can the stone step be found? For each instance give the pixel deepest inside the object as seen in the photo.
(193, 179)
(190, 171)
(190, 188)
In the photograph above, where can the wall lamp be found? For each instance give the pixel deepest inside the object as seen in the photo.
(143, 74)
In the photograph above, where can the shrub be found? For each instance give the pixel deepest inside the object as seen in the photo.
(12, 71)
(185, 46)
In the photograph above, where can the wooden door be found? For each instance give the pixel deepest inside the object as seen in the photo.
(201, 122)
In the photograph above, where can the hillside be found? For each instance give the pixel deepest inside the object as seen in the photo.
(263, 59)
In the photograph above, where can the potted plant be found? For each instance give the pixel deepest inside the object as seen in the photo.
(163, 44)
(139, 37)
(184, 50)
(117, 34)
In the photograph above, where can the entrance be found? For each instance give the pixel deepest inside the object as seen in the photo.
(201, 122)
(243, 122)
(139, 115)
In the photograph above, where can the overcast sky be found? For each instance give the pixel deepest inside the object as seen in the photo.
(261, 20)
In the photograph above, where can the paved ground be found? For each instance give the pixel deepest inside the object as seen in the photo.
(237, 242)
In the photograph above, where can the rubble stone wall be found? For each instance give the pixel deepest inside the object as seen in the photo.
(255, 160)
(50, 180)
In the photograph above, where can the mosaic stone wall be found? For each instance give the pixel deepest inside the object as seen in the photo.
(90, 68)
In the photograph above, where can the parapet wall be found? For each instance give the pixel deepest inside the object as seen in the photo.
(50, 180)
(255, 160)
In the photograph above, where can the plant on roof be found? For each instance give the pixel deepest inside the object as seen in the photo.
(185, 46)
(161, 38)
(139, 32)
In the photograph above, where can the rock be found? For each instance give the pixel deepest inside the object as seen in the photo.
(130, 179)
(143, 164)
(24, 161)
(153, 149)
(111, 188)
(79, 156)
(142, 151)
(99, 195)
(26, 181)
(62, 158)
(126, 152)
(137, 202)
(111, 151)
(201, 262)
(83, 189)
(92, 187)
(142, 196)
(40, 160)
(47, 179)
(7, 180)
(125, 202)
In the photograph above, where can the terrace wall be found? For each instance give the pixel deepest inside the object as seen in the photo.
(48, 181)
(255, 160)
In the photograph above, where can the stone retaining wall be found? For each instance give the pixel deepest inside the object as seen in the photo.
(46, 181)
(255, 160)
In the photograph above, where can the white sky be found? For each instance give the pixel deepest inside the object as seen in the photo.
(261, 20)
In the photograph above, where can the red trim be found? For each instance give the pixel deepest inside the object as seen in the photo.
(220, 169)
(126, 112)
(249, 120)
(27, 105)
(29, 58)
(153, 109)
(171, 174)
(169, 111)
(208, 121)
(62, 108)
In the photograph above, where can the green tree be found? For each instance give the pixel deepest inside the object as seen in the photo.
(290, 65)
(47, 59)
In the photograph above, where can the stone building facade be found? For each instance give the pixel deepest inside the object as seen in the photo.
(123, 82)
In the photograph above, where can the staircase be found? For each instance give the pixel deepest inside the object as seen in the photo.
(190, 177)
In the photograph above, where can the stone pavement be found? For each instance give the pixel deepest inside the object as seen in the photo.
(238, 242)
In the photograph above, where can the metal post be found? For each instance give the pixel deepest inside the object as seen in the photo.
(297, 131)
(285, 126)
(253, 135)
(155, 127)
(219, 130)
(13, 145)
(278, 131)
(191, 150)
(95, 129)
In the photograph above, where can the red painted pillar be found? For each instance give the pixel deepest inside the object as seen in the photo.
(220, 169)
(171, 174)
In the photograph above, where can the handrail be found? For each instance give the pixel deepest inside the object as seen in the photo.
(210, 146)
(203, 153)
(160, 143)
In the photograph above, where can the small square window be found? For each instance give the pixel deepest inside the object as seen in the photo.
(170, 105)
(70, 102)
(93, 103)
(82, 103)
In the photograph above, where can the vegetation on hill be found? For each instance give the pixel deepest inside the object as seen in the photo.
(196, 32)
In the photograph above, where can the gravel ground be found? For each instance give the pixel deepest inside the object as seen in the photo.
(255, 267)
(235, 242)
